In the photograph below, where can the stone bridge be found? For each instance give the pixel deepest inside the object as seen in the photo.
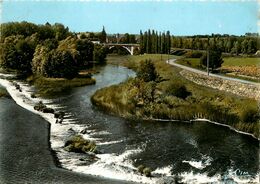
(129, 47)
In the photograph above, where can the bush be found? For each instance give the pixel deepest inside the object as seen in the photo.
(193, 54)
(99, 54)
(147, 72)
(250, 115)
(60, 65)
(178, 90)
(215, 58)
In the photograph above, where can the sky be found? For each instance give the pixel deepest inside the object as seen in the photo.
(179, 17)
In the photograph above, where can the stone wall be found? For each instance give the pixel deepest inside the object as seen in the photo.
(238, 88)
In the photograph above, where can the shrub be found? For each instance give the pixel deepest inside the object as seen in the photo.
(193, 54)
(147, 72)
(250, 115)
(178, 90)
(215, 58)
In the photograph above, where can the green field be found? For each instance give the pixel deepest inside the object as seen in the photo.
(191, 62)
(130, 61)
(228, 61)
(241, 61)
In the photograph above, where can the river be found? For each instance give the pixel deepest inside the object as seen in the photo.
(198, 153)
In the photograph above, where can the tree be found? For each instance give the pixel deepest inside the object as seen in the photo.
(149, 42)
(60, 64)
(251, 47)
(60, 31)
(132, 38)
(24, 53)
(85, 49)
(215, 59)
(244, 46)
(147, 72)
(16, 53)
(142, 49)
(8, 53)
(99, 54)
(236, 48)
(41, 55)
(168, 42)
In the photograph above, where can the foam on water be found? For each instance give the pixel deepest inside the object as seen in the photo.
(165, 171)
(231, 178)
(109, 142)
(199, 164)
(24, 99)
(114, 166)
(101, 133)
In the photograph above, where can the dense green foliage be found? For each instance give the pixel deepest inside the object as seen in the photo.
(127, 38)
(152, 42)
(193, 54)
(57, 31)
(17, 53)
(178, 90)
(250, 115)
(46, 50)
(147, 72)
(100, 53)
(215, 58)
(246, 44)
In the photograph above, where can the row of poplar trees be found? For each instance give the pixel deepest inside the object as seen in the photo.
(153, 43)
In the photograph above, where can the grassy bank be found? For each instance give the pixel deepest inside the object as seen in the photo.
(56, 86)
(200, 102)
(237, 67)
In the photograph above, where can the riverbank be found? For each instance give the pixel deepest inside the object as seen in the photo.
(56, 86)
(203, 103)
(26, 156)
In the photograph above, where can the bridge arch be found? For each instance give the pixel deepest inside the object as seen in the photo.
(130, 50)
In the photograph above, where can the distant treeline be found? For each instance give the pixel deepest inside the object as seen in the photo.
(47, 50)
(154, 42)
(247, 44)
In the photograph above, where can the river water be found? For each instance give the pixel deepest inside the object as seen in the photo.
(198, 153)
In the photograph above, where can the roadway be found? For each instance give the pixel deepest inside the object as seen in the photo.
(173, 63)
